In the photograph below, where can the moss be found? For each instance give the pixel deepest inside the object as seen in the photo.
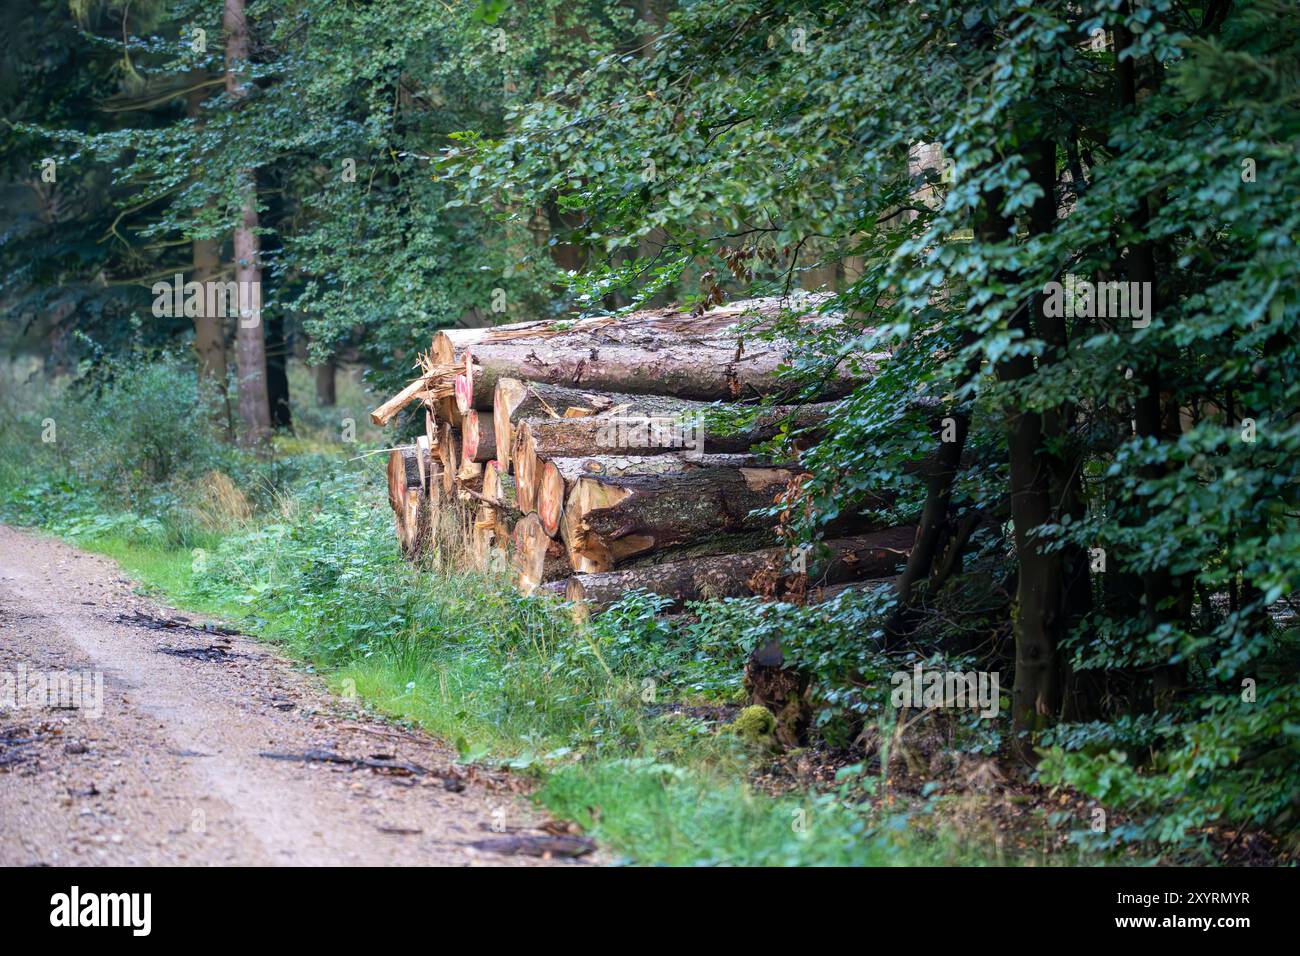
(755, 724)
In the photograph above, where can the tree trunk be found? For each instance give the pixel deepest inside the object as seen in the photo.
(250, 344)
(739, 575)
(406, 497)
(617, 518)
(710, 357)
(326, 391)
(1036, 694)
(209, 330)
(277, 372)
(924, 162)
(933, 525)
(479, 440)
(210, 340)
(538, 557)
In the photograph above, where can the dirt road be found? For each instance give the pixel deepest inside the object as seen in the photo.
(167, 766)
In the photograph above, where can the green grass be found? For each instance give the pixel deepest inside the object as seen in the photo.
(654, 790)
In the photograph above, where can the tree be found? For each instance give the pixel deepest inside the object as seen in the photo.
(250, 339)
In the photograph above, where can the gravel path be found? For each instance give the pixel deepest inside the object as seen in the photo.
(165, 767)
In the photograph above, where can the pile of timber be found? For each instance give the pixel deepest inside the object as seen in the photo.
(578, 457)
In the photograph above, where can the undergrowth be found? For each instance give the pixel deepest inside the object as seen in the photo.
(299, 549)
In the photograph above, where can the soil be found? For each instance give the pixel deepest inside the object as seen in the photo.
(183, 758)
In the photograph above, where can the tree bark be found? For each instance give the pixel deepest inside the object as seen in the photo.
(933, 525)
(210, 340)
(250, 343)
(326, 390)
(739, 575)
(405, 496)
(617, 518)
(710, 357)
(1039, 621)
(578, 502)
(277, 372)
(209, 330)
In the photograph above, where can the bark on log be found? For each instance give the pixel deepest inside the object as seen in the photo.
(494, 521)
(739, 575)
(538, 557)
(471, 390)
(538, 441)
(559, 477)
(630, 424)
(515, 401)
(405, 495)
(830, 592)
(555, 589)
(617, 518)
(717, 355)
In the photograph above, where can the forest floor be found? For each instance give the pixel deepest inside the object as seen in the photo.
(170, 765)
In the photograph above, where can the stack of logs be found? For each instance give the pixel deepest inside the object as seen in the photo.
(578, 452)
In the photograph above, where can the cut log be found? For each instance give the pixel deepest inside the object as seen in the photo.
(447, 456)
(579, 442)
(617, 518)
(418, 524)
(424, 460)
(830, 592)
(558, 477)
(550, 497)
(523, 458)
(499, 489)
(555, 589)
(478, 437)
(538, 557)
(491, 481)
(738, 575)
(471, 389)
(715, 356)
(514, 400)
(632, 425)
(613, 466)
(442, 353)
(468, 480)
(492, 525)
(611, 434)
(405, 495)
